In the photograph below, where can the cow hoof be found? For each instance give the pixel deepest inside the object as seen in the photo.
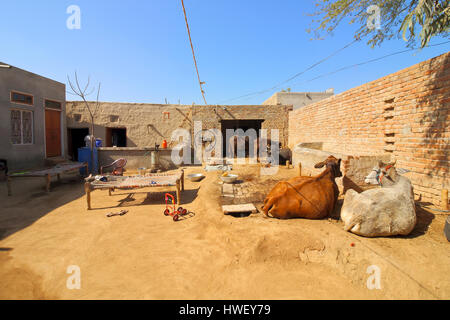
(269, 215)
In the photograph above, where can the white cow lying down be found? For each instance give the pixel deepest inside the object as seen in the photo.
(385, 211)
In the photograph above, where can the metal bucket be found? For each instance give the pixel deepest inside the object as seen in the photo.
(154, 161)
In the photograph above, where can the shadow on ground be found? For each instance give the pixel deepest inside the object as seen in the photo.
(131, 199)
(30, 193)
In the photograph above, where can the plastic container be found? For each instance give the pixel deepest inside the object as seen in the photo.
(84, 155)
(164, 144)
(98, 143)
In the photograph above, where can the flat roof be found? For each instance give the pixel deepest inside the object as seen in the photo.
(4, 65)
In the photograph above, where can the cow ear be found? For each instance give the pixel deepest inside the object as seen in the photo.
(319, 165)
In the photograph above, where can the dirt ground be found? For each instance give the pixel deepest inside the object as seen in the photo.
(146, 255)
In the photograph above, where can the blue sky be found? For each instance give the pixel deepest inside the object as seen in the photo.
(139, 50)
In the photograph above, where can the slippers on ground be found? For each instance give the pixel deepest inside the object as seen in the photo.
(120, 213)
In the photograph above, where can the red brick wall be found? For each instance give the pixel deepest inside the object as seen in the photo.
(405, 114)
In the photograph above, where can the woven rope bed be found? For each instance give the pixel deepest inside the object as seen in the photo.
(135, 182)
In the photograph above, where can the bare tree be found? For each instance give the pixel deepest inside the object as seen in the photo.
(83, 94)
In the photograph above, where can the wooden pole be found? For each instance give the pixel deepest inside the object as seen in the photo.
(300, 169)
(178, 192)
(182, 180)
(87, 189)
(48, 180)
(444, 199)
(86, 165)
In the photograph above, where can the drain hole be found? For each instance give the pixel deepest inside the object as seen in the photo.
(239, 214)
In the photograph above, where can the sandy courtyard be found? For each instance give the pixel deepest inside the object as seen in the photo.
(146, 255)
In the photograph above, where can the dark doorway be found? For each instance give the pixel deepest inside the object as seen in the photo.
(75, 138)
(116, 137)
(239, 124)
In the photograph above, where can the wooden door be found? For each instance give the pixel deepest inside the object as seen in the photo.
(53, 133)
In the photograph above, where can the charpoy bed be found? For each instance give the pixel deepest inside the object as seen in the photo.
(136, 182)
(47, 173)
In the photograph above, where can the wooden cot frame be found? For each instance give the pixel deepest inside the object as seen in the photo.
(88, 188)
(47, 176)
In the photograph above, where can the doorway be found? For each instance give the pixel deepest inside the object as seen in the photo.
(52, 133)
(75, 139)
(240, 124)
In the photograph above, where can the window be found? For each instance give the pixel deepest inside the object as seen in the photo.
(116, 137)
(50, 104)
(21, 127)
(22, 98)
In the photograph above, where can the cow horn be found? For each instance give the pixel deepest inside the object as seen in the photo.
(319, 164)
(392, 163)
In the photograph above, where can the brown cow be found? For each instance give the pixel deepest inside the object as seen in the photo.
(305, 197)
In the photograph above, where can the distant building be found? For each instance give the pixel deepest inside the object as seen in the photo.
(298, 99)
(32, 120)
(130, 130)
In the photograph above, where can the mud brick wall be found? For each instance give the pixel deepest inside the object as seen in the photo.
(274, 116)
(404, 115)
(147, 124)
(136, 157)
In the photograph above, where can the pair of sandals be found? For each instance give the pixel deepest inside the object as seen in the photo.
(120, 213)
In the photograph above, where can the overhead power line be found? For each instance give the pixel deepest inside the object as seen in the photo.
(193, 53)
(369, 61)
(296, 75)
(338, 70)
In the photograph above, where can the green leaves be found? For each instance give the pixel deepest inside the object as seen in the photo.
(432, 15)
(414, 20)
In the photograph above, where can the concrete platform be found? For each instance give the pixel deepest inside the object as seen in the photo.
(239, 208)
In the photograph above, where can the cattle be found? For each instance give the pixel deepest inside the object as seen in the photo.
(384, 174)
(305, 197)
(385, 211)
